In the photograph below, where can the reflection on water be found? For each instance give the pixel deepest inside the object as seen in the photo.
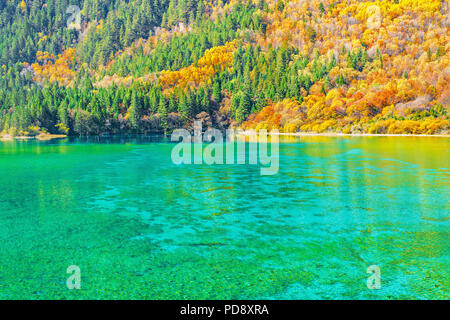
(141, 227)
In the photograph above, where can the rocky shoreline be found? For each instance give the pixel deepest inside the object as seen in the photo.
(42, 137)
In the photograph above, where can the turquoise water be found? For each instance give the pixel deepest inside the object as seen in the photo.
(140, 227)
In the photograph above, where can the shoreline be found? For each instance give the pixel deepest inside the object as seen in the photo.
(41, 137)
(46, 137)
(336, 134)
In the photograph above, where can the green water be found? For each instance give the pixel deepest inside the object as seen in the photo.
(140, 227)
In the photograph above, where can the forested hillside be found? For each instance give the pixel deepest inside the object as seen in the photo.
(154, 65)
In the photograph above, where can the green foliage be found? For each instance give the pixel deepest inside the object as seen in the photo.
(357, 60)
(256, 77)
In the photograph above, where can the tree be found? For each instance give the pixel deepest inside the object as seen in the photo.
(162, 112)
(135, 110)
(217, 94)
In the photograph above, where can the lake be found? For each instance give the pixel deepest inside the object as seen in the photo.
(139, 226)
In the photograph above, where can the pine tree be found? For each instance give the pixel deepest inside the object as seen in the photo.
(216, 91)
(135, 110)
(162, 112)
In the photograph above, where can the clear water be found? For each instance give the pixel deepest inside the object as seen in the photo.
(140, 227)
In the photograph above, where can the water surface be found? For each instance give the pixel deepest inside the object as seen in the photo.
(141, 227)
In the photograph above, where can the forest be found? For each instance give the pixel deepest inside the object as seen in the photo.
(151, 66)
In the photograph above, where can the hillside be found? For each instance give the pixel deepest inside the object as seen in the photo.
(155, 65)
